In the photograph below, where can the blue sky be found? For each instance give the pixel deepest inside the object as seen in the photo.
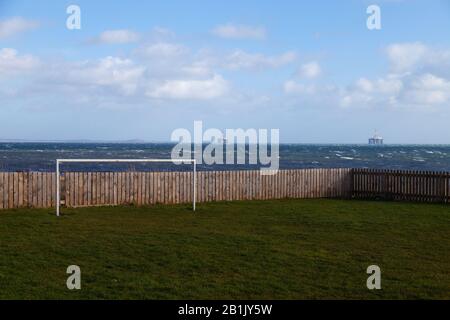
(141, 69)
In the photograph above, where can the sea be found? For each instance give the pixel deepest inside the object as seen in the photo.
(42, 157)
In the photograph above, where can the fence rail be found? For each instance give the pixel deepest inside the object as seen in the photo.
(38, 189)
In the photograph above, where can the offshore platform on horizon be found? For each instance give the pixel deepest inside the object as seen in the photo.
(376, 139)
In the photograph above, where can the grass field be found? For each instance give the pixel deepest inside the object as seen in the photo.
(289, 249)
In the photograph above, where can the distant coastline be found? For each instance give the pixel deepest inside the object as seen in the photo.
(140, 141)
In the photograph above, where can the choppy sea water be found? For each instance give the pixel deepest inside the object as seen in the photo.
(42, 156)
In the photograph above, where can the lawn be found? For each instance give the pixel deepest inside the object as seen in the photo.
(287, 249)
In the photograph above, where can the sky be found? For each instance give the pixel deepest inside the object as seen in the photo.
(141, 69)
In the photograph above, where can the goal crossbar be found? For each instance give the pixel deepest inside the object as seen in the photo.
(181, 161)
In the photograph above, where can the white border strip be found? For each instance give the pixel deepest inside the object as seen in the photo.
(60, 161)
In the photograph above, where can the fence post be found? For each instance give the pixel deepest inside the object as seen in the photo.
(446, 182)
(351, 187)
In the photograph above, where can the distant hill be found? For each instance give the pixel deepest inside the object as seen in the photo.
(137, 141)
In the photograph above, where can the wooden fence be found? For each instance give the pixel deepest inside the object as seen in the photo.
(27, 189)
(401, 185)
(37, 189)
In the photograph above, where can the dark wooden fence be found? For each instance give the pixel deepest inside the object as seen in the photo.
(78, 189)
(38, 189)
(401, 185)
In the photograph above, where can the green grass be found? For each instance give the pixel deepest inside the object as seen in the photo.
(289, 249)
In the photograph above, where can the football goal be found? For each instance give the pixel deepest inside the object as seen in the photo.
(59, 162)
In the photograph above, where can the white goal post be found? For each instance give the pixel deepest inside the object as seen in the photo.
(182, 161)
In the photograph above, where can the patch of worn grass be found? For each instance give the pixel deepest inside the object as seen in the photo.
(288, 249)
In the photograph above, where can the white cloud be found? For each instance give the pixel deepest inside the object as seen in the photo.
(165, 75)
(391, 84)
(162, 49)
(366, 93)
(190, 89)
(405, 56)
(239, 60)
(364, 85)
(293, 87)
(12, 63)
(117, 37)
(417, 57)
(310, 70)
(113, 72)
(162, 33)
(197, 69)
(16, 25)
(170, 71)
(311, 95)
(419, 77)
(233, 31)
(423, 90)
(428, 89)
